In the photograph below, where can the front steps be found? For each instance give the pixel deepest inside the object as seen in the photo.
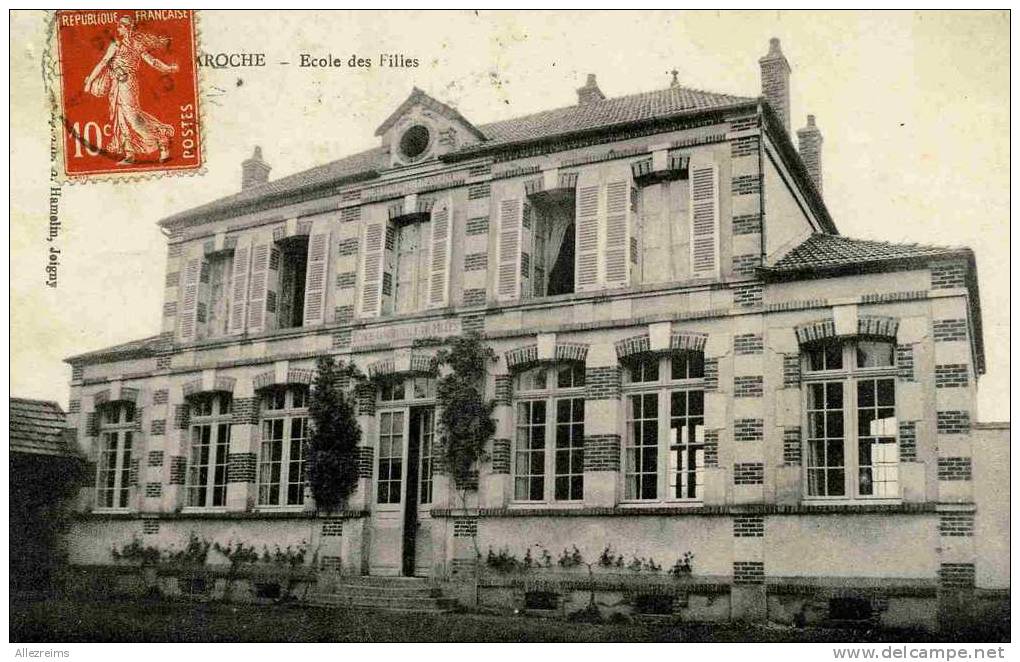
(399, 594)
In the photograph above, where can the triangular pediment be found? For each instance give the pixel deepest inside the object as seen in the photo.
(422, 128)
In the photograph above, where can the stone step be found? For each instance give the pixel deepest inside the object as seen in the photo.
(383, 591)
(388, 603)
(371, 580)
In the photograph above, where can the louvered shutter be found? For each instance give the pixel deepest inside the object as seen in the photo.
(239, 285)
(586, 241)
(704, 220)
(189, 297)
(439, 258)
(617, 224)
(508, 271)
(259, 286)
(315, 277)
(373, 245)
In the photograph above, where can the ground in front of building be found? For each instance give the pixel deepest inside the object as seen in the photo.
(72, 619)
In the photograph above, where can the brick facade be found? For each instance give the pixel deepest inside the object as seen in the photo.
(791, 370)
(954, 468)
(952, 375)
(747, 343)
(748, 572)
(160, 396)
(241, 467)
(747, 224)
(746, 185)
(155, 459)
(602, 383)
(905, 362)
(955, 525)
(747, 386)
(953, 422)
(465, 527)
(501, 456)
(746, 430)
(956, 575)
(748, 526)
(476, 261)
(745, 265)
(748, 296)
(712, 448)
(178, 469)
(711, 374)
(245, 411)
(366, 461)
(602, 452)
(332, 528)
(791, 446)
(157, 427)
(948, 275)
(477, 225)
(908, 441)
(474, 297)
(949, 330)
(748, 473)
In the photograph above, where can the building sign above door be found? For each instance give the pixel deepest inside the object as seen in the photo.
(395, 333)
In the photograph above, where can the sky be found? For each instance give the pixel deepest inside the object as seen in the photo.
(913, 107)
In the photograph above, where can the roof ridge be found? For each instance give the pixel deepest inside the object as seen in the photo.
(889, 242)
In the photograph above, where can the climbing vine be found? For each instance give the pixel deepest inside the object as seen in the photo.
(333, 447)
(465, 421)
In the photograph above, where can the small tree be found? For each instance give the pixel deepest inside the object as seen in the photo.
(465, 424)
(333, 448)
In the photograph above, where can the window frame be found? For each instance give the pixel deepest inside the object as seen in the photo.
(550, 397)
(122, 429)
(663, 387)
(851, 377)
(217, 421)
(287, 415)
(421, 267)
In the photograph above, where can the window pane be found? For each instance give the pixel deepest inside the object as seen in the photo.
(874, 354)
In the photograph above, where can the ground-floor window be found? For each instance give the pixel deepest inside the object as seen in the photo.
(283, 447)
(113, 462)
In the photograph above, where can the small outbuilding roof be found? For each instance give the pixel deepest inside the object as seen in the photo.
(38, 427)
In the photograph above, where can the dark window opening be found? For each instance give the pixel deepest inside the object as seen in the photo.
(550, 215)
(541, 600)
(268, 590)
(850, 609)
(291, 295)
(653, 603)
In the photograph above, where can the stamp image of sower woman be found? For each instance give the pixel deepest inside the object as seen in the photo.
(116, 77)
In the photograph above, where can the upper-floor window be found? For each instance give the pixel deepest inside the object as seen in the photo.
(410, 275)
(549, 440)
(290, 258)
(664, 453)
(549, 267)
(213, 315)
(850, 406)
(113, 465)
(283, 447)
(210, 447)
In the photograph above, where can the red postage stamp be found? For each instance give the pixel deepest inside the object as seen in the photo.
(128, 91)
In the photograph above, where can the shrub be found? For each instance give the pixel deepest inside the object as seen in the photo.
(683, 566)
(333, 447)
(571, 559)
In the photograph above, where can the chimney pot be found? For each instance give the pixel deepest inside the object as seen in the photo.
(809, 141)
(590, 93)
(775, 82)
(254, 171)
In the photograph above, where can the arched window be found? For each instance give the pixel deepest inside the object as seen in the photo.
(850, 404)
(210, 446)
(549, 440)
(664, 454)
(113, 466)
(284, 413)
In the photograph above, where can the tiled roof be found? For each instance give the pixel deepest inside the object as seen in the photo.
(142, 347)
(38, 428)
(825, 251)
(607, 113)
(604, 114)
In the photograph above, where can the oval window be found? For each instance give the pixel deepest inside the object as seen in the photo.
(414, 142)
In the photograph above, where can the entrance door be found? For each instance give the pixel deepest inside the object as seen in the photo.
(419, 445)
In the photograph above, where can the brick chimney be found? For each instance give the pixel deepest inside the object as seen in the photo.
(590, 93)
(775, 82)
(254, 171)
(809, 141)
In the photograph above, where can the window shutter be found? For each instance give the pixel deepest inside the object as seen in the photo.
(239, 286)
(508, 273)
(259, 285)
(617, 260)
(373, 245)
(315, 277)
(586, 242)
(704, 220)
(189, 298)
(439, 260)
